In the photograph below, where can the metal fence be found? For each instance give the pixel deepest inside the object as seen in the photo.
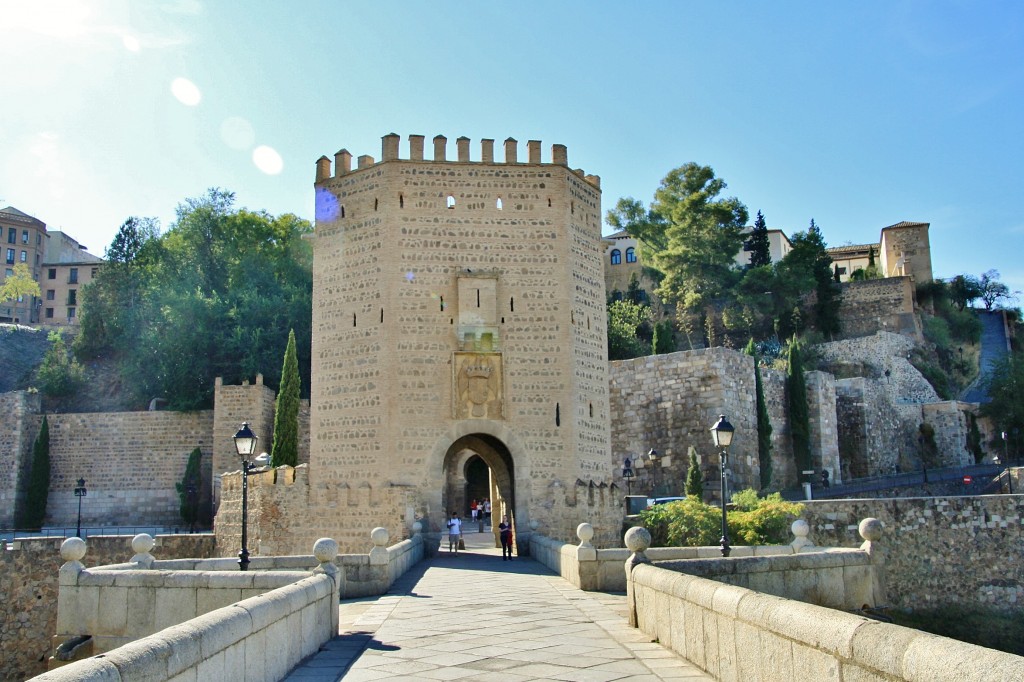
(981, 474)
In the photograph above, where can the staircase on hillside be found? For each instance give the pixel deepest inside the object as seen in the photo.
(994, 345)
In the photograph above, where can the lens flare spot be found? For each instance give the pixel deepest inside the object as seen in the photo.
(131, 43)
(186, 92)
(410, 276)
(267, 160)
(237, 133)
(326, 205)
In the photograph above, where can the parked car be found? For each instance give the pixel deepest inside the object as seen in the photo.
(651, 501)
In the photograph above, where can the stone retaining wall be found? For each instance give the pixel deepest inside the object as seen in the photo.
(942, 551)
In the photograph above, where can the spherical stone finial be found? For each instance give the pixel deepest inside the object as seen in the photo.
(638, 539)
(585, 532)
(534, 524)
(72, 549)
(870, 529)
(325, 549)
(417, 528)
(800, 528)
(379, 536)
(143, 543)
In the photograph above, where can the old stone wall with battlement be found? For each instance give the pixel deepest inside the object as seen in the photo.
(130, 461)
(416, 261)
(669, 402)
(878, 305)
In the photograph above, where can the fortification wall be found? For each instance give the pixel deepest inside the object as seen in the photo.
(669, 402)
(395, 313)
(28, 583)
(130, 461)
(879, 305)
(16, 439)
(940, 551)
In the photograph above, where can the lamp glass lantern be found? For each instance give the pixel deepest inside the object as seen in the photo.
(245, 441)
(722, 432)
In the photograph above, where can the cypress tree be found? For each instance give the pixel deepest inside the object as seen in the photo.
(764, 423)
(664, 338)
(188, 503)
(758, 244)
(286, 412)
(38, 481)
(694, 477)
(799, 420)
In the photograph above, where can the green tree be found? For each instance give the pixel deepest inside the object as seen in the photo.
(963, 290)
(758, 245)
(112, 306)
(624, 319)
(19, 285)
(1005, 385)
(694, 476)
(286, 413)
(690, 235)
(764, 423)
(796, 397)
(216, 295)
(992, 290)
(808, 267)
(34, 512)
(59, 374)
(664, 338)
(188, 489)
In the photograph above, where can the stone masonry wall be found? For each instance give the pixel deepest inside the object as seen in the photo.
(28, 583)
(669, 403)
(130, 461)
(878, 305)
(940, 551)
(16, 440)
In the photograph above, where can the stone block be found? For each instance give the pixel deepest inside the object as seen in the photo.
(222, 629)
(113, 611)
(777, 656)
(144, 659)
(747, 646)
(174, 606)
(255, 656)
(727, 668)
(813, 664)
(824, 629)
(184, 644)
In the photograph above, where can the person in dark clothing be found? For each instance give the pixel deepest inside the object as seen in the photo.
(824, 478)
(506, 539)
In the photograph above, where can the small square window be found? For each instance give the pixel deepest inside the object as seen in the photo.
(49, 313)
(51, 294)
(73, 276)
(71, 313)
(24, 236)
(24, 256)
(52, 273)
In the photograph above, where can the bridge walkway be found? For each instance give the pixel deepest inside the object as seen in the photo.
(473, 616)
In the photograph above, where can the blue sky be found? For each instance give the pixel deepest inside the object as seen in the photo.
(859, 115)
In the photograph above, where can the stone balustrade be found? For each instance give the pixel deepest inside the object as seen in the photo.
(205, 619)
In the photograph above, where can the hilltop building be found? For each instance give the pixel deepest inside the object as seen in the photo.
(58, 263)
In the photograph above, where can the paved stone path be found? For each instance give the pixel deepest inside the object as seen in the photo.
(473, 616)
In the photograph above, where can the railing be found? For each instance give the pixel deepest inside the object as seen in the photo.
(913, 478)
(11, 534)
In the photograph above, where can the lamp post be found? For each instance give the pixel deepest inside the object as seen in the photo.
(627, 474)
(80, 492)
(1006, 461)
(655, 460)
(721, 433)
(245, 445)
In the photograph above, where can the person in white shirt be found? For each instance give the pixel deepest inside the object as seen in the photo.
(454, 532)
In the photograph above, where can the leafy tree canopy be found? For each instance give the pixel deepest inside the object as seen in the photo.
(213, 296)
(624, 320)
(19, 285)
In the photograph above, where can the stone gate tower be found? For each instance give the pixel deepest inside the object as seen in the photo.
(459, 327)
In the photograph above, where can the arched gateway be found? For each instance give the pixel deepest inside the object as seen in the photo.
(458, 322)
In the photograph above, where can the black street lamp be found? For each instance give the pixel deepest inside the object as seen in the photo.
(721, 433)
(245, 444)
(1006, 461)
(627, 474)
(80, 492)
(654, 459)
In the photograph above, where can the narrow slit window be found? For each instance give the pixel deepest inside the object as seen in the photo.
(401, 201)
(382, 316)
(442, 304)
(374, 204)
(353, 319)
(498, 204)
(558, 414)
(591, 410)
(512, 304)
(549, 202)
(477, 298)
(451, 201)
(342, 211)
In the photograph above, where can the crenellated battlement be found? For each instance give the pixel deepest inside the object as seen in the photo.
(390, 152)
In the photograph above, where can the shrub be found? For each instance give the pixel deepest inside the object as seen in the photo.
(59, 375)
(34, 512)
(692, 523)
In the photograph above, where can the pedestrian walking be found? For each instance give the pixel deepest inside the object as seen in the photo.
(506, 539)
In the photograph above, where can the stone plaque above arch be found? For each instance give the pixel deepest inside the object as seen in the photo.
(478, 386)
